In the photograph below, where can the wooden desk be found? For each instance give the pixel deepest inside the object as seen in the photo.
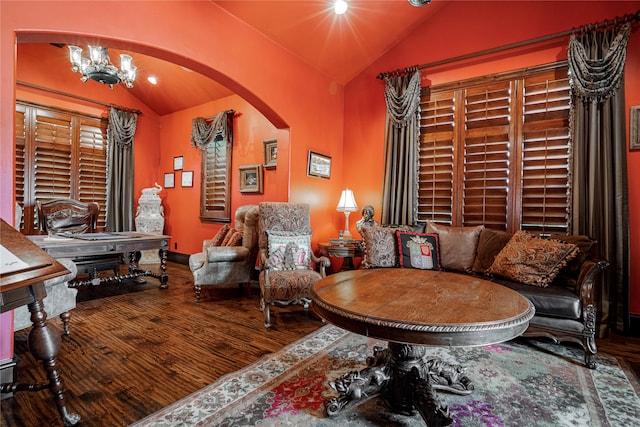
(25, 287)
(411, 309)
(133, 242)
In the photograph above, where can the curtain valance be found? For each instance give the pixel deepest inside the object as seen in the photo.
(203, 133)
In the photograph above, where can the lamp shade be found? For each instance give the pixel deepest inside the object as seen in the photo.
(347, 202)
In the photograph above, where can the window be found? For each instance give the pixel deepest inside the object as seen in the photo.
(215, 193)
(495, 151)
(59, 154)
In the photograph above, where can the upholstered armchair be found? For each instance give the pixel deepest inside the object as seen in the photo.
(286, 258)
(223, 265)
(60, 300)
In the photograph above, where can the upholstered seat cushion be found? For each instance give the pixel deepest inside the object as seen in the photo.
(286, 285)
(554, 301)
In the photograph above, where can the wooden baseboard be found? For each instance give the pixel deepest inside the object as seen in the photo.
(178, 257)
(634, 325)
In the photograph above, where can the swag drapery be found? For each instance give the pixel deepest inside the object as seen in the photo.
(120, 201)
(401, 146)
(599, 184)
(203, 133)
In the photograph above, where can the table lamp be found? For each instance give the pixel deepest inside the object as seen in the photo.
(347, 204)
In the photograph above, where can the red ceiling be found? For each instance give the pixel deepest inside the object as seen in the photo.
(338, 46)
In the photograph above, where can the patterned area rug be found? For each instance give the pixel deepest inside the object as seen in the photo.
(519, 383)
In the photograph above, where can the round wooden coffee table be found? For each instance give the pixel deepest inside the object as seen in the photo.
(412, 309)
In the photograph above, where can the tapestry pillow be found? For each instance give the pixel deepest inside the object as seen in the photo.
(289, 250)
(584, 244)
(236, 239)
(458, 245)
(490, 244)
(532, 260)
(379, 248)
(418, 250)
(228, 236)
(219, 237)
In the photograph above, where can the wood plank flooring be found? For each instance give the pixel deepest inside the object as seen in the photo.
(136, 349)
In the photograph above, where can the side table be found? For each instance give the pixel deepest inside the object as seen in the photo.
(346, 251)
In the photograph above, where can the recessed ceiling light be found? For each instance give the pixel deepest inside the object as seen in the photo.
(340, 7)
(152, 80)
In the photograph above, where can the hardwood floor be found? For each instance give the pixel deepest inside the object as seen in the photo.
(136, 349)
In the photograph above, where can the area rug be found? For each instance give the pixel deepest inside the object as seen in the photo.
(519, 383)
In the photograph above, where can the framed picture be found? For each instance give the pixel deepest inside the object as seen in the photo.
(634, 137)
(270, 153)
(251, 179)
(318, 165)
(187, 179)
(178, 163)
(169, 180)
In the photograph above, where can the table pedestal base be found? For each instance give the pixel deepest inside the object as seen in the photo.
(406, 379)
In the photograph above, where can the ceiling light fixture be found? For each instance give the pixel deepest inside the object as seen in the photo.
(98, 66)
(418, 3)
(340, 7)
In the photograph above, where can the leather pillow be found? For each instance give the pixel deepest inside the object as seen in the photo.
(532, 260)
(458, 245)
(490, 244)
(67, 221)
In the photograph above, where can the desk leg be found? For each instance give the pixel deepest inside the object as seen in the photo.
(163, 268)
(44, 345)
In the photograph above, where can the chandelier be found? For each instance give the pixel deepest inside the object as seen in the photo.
(98, 66)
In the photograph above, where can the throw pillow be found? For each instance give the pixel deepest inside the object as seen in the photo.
(532, 260)
(379, 248)
(67, 221)
(458, 245)
(228, 236)
(236, 239)
(219, 237)
(289, 250)
(418, 250)
(490, 244)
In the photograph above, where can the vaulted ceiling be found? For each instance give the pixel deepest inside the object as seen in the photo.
(340, 46)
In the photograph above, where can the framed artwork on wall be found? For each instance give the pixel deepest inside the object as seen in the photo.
(178, 163)
(634, 136)
(250, 179)
(318, 165)
(169, 180)
(270, 153)
(187, 179)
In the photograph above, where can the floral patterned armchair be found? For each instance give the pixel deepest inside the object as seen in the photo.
(286, 259)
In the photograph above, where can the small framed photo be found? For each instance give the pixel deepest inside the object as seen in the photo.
(318, 165)
(187, 179)
(178, 163)
(169, 180)
(270, 153)
(634, 137)
(251, 179)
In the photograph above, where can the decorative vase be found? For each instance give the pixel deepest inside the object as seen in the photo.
(150, 220)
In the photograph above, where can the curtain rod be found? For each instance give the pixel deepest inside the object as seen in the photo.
(81, 98)
(226, 111)
(589, 27)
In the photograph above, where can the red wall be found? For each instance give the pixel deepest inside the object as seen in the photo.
(476, 27)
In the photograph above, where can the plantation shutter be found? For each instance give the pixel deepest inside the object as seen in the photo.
(545, 138)
(216, 180)
(92, 157)
(21, 140)
(435, 174)
(486, 155)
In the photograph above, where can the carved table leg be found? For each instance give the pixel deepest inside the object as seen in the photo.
(163, 268)
(406, 379)
(44, 345)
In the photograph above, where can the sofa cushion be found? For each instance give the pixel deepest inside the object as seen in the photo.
(555, 301)
(584, 244)
(235, 239)
(68, 221)
(379, 247)
(490, 243)
(228, 236)
(418, 250)
(532, 260)
(458, 245)
(289, 250)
